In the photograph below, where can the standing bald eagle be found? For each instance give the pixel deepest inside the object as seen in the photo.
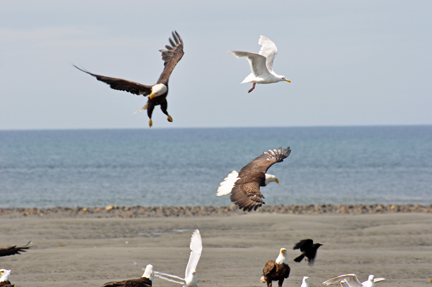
(4, 278)
(145, 281)
(12, 250)
(276, 270)
(245, 185)
(159, 91)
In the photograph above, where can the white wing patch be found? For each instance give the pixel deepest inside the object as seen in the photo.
(196, 249)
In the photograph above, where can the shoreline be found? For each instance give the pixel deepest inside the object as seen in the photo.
(91, 251)
(191, 211)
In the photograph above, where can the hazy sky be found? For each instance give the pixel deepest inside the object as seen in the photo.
(350, 63)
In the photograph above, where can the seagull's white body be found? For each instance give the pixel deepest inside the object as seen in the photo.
(190, 279)
(305, 282)
(351, 280)
(261, 64)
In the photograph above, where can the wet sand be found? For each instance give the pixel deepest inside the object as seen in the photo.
(79, 251)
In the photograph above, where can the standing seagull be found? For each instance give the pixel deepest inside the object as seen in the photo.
(159, 91)
(4, 278)
(276, 270)
(352, 281)
(261, 64)
(305, 282)
(12, 250)
(190, 279)
(308, 249)
(145, 281)
(245, 185)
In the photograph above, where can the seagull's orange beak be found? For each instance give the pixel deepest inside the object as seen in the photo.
(288, 80)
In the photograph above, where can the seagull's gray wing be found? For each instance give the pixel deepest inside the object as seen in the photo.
(351, 280)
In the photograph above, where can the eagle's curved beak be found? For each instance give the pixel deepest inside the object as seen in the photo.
(277, 180)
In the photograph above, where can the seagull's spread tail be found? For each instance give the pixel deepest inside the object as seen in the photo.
(227, 185)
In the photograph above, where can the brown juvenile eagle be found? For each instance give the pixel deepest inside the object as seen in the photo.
(308, 249)
(245, 185)
(12, 250)
(276, 270)
(158, 92)
(145, 281)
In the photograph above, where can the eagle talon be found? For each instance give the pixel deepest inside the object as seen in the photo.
(170, 119)
(150, 123)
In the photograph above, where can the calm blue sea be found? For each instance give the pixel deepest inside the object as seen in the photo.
(183, 167)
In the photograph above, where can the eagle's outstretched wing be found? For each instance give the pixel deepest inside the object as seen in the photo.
(121, 84)
(12, 250)
(171, 57)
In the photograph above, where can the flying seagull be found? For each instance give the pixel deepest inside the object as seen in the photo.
(12, 250)
(308, 249)
(4, 278)
(305, 282)
(276, 270)
(190, 279)
(351, 280)
(261, 64)
(244, 186)
(158, 92)
(145, 281)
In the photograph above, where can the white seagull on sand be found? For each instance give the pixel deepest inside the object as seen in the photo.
(261, 64)
(351, 280)
(305, 282)
(190, 279)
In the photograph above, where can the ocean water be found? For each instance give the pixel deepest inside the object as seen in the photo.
(183, 167)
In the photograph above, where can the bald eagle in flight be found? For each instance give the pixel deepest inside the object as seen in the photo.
(276, 270)
(244, 186)
(158, 92)
(190, 279)
(12, 250)
(145, 281)
(4, 278)
(308, 249)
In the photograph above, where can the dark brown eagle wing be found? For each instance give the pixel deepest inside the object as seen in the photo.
(141, 282)
(269, 267)
(247, 195)
(171, 57)
(12, 250)
(121, 84)
(263, 162)
(304, 245)
(6, 284)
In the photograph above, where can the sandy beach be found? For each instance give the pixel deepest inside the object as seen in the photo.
(71, 251)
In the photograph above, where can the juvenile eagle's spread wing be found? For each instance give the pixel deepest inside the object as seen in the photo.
(246, 191)
(141, 282)
(304, 245)
(171, 57)
(12, 250)
(121, 84)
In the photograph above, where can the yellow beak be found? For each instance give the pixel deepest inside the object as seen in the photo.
(277, 180)
(288, 80)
